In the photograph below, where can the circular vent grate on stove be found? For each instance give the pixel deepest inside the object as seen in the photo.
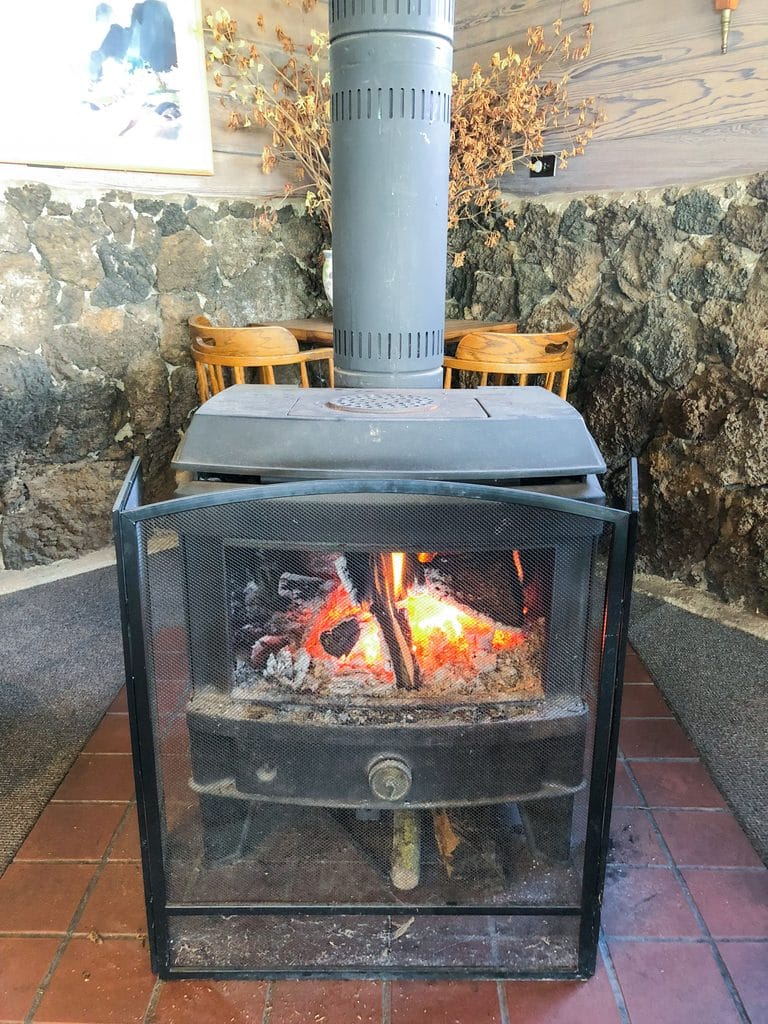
(381, 402)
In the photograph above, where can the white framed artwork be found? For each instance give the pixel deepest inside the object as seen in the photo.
(116, 85)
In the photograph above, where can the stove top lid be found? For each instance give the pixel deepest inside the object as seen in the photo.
(479, 434)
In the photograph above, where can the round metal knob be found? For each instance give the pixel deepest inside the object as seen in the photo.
(390, 779)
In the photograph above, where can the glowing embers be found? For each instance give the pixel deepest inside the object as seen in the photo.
(414, 627)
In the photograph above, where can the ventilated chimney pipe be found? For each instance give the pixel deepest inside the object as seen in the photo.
(391, 63)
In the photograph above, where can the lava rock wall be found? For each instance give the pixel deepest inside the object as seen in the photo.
(670, 290)
(95, 294)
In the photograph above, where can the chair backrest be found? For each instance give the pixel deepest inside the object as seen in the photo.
(503, 353)
(244, 342)
(222, 354)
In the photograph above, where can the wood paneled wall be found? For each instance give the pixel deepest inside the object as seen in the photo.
(678, 111)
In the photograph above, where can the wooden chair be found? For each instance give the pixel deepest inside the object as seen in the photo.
(222, 354)
(499, 354)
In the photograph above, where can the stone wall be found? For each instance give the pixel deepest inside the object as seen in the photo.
(669, 290)
(95, 294)
(671, 293)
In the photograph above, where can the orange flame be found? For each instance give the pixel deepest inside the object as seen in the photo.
(398, 572)
(518, 565)
(445, 636)
(519, 570)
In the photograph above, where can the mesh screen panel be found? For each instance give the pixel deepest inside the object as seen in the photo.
(373, 700)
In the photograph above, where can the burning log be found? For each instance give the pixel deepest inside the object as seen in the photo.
(344, 574)
(488, 582)
(394, 624)
(406, 849)
(340, 640)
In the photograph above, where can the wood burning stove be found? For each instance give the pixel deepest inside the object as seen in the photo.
(374, 652)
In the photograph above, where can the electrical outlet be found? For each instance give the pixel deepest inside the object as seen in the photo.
(543, 166)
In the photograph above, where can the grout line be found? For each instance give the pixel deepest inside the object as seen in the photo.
(56, 860)
(108, 800)
(660, 760)
(154, 998)
(613, 979)
(676, 940)
(102, 753)
(386, 1002)
(693, 907)
(74, 921)
(501, 994)
(686, 807)
(268, 998)
(665, 940)
(617, 864)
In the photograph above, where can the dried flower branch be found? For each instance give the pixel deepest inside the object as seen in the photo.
(500, 116)
(290, 99)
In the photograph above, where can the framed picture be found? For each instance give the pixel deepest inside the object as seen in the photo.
(118, 84)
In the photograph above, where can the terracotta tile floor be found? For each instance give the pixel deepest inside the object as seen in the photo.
(685, 924)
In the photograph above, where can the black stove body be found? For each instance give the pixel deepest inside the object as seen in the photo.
(374, 651)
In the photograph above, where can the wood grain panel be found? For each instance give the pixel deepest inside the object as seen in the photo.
(662, 159)
(678, 110)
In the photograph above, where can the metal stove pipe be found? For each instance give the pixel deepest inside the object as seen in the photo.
(391, 64)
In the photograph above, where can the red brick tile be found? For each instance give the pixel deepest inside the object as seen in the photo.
(654, 737)
(98, 777)
(119, 705)
(172, 696)
(24, 962)
(633, 838)
(99, 983)
(170, 638)
(643, 701)
(112, 736)
(646, 903)
(672, 983)
(734, 904)
(41, 897)
(563, 1002)
(126, 846)
(635, 671)
(444, 1002)
(706, 839)
(624, 794)
(116, 905)
(211, 1002)
(677, 784)
(747, 964)
(72, 832)
(326, 1002)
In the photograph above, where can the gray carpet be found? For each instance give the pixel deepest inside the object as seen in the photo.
(716, 680)
(60, 668)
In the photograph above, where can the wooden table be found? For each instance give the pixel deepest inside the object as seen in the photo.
(322, 330)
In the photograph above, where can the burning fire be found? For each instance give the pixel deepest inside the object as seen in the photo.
(444, 634)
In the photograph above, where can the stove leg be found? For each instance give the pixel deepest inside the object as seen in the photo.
(548, 823)
(225, 827)
(405, 868)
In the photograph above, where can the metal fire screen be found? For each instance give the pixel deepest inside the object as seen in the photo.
(374, 726)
